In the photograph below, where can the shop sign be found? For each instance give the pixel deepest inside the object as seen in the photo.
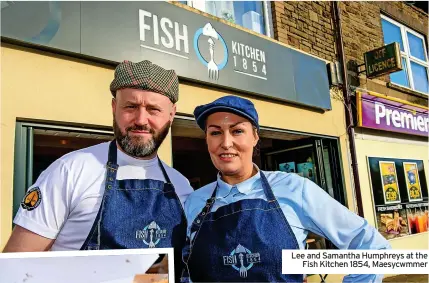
(388, 114)
(400, 196)
(383, 60)
(199, 48)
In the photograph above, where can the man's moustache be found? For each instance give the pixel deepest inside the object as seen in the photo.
(140, 128)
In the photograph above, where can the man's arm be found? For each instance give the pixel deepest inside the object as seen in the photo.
(44, 210)
(23, 240)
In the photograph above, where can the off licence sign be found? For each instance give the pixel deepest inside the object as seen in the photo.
(383, 60)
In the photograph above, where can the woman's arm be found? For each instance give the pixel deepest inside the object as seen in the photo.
(346, 230)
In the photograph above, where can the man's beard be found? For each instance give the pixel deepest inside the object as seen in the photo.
(135, 146)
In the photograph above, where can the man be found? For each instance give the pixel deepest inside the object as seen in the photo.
(116, 194)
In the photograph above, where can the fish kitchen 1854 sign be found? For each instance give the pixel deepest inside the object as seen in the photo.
(379, 112)
(383, 60)
(198, 48)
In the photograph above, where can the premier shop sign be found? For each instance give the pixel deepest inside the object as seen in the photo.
(201, 49)
(394, 115)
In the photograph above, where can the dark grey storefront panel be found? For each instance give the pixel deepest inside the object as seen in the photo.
(120, 40)
(52, 24)
(118, 31)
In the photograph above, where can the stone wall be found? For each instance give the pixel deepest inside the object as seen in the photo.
(362, 32)
(306, 26)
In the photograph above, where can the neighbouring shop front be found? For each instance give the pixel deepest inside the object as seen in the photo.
(393, 165)
(58, 63)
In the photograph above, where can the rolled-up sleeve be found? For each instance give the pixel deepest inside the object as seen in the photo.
(346, 230)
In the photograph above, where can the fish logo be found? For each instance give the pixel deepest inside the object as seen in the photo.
(242, 260)
(214, 43)
(151, 234)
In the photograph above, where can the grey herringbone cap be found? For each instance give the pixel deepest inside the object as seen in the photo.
(146, 76)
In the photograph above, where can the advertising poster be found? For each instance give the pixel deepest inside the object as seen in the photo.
(405, 211)
(392, 221)
(288, 167)
(413, 182)
(306, 169)
(389, 182)
(417, 214)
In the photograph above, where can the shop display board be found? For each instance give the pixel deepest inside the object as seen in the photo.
(400, 195)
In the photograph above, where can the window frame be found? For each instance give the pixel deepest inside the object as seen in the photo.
(268, 23)
(24, 153)
(407, 53)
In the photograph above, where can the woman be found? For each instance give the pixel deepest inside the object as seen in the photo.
(239, 224)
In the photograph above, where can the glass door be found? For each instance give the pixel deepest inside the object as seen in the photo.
(316, 159)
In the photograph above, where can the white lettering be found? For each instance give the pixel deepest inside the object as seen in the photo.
(170, 42)
(143, 26)
(407, 120)
(234, 47)
(415, 123)
(252, 53)
(388, 114)
(262, 56)
(380, 112)
(247, 51)
(258, 56)
(155, 30)
(396, 118)
(426, 124)
(420, 123)
(183, 37)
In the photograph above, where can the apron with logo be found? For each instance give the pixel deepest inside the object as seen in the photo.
(138, 213)
(239, 242)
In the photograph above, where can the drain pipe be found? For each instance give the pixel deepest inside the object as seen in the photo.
(336, 15)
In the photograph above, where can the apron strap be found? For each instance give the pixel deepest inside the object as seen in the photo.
(195, 227)
(112, 158)
(267, 190)
(112, 169)
(164, 172)
(112, 166)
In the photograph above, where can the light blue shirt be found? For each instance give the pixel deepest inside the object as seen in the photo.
(307, 207)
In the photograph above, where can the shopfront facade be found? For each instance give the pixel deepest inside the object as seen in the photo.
(55, 95)
(57, 65)
(391, 116)
(393, 167)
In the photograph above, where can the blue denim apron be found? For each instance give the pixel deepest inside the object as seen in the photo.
(138, 214)
(240, 242)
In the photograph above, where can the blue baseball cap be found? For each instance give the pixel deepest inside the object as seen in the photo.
(230, 103)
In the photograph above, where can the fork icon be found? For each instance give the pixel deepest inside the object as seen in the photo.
(212, 69)
(243, 270)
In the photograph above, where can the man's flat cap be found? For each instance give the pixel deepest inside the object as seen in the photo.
(146, 76)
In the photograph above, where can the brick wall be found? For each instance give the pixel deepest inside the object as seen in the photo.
(306, 26)
(362, 31)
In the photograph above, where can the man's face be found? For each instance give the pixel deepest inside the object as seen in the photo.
(141, 121)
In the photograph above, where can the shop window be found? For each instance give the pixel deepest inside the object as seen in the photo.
(38, 145)
(248, 14)
(413, 53)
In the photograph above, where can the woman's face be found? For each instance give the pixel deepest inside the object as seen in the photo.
(230, 139)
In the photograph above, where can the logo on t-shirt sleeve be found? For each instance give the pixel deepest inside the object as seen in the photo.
(32, 199)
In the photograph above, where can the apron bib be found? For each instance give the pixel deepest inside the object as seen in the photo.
(240, 242)
(137, 214)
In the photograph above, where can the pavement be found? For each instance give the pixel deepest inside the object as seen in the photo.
(408, 278)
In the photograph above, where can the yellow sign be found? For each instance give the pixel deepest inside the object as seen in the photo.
(413, 182)
(389, 181)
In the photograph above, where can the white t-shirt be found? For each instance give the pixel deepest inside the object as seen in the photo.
(72, 188)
